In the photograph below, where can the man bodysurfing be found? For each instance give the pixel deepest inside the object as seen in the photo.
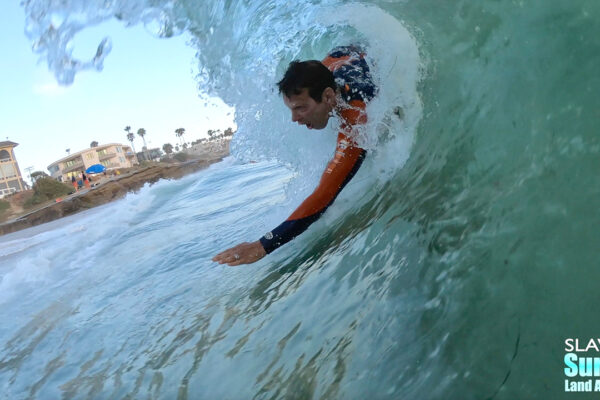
(314, 91)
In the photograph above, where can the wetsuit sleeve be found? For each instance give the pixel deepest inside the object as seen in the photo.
(340, 170)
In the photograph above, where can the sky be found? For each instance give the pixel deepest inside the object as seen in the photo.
(146, 82)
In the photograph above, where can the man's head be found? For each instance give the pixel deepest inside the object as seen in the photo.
(309, 91)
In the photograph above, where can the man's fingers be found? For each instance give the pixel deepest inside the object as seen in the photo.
(222, 256)
(228, 256)
(233, 261)
(226, 252)
(247, 259)
(219, 258)
(243, 253)
(229, 253)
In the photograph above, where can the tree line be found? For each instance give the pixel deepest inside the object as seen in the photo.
(213, 134)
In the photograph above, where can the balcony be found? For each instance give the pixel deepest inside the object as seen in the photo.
(74, 167)
(6, 192)
(106, 156)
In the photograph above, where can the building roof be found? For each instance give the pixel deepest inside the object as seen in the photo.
(8, 143)
(79, 153)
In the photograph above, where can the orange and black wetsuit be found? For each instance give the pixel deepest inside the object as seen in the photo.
(353, 77)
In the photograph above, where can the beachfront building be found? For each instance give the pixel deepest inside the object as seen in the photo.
(10, 175)
(112, 156)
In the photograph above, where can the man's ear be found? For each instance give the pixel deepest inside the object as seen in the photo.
(329, 96)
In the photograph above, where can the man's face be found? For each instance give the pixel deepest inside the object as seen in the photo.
(306, 111)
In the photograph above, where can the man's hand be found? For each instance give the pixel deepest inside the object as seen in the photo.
(244, 253)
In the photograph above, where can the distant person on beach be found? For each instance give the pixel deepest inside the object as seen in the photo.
(314, 91)
(74, 182)
(85, 179)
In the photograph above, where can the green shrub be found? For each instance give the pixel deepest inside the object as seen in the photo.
(181, 157)
(46, 189)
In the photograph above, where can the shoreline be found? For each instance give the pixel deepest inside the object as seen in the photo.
(114, 189)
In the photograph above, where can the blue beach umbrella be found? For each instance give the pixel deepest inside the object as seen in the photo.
(95, 169)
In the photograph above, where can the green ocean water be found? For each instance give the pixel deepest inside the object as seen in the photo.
(504, 185)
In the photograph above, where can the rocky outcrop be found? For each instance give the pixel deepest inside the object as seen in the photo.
(113, 189)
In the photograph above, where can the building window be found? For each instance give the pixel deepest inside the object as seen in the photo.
(7, 171)
(102, 152)
(4, 156)
(70, 163)
(122, 160)
(119, 149)
(89, 156)
(14, 185)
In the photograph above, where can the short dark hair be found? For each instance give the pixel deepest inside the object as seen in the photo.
(311, 75)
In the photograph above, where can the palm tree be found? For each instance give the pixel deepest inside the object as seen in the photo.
(130, 137)
(179, 133)
(168, 148)
(141, 133)
(68, 152)
(94, 144)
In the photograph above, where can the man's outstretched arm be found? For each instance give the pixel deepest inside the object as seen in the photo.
(339, 171)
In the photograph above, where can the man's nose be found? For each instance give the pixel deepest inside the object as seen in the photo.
(296, 117)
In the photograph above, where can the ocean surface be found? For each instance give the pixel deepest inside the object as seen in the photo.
(453, 266)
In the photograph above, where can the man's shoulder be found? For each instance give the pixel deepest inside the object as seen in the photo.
(345, 51)
(351, 72)
(342, 55)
